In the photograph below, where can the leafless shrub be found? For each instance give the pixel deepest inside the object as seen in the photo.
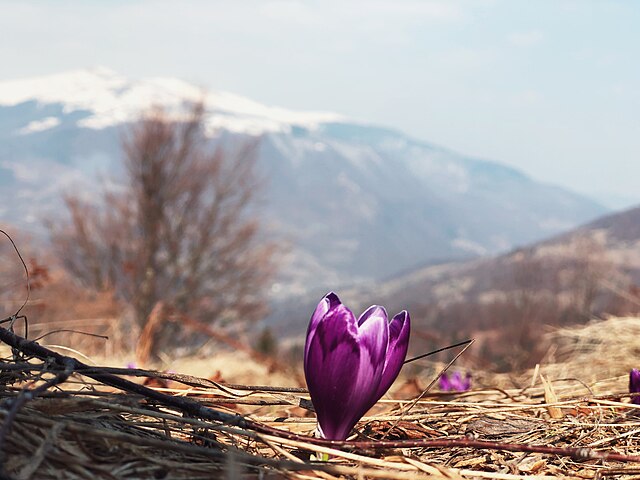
(181, 231)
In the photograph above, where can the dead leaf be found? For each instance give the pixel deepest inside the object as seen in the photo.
(532, 466)
(489, 426)
(551, 397)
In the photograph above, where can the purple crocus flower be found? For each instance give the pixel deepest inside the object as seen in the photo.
(349, 364)
(455, 382)
(634, 385)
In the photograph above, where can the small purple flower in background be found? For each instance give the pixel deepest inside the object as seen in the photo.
(634, 385)
(349, 364)
(455, 382)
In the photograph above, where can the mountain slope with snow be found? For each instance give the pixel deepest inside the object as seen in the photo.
(355, 201)
(112, 99)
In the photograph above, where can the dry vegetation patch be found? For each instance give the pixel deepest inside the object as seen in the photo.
(83, 427)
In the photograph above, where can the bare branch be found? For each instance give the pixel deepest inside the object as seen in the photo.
(182, 231)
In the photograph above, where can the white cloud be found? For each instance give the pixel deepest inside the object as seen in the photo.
(526, 39)
(23, 172)
(40, 125)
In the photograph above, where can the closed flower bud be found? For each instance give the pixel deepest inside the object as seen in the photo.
(349, 364)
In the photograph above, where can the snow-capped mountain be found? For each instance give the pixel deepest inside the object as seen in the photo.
(356, 201)
(110, 99)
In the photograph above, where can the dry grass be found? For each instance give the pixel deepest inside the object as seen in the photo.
(86, 430)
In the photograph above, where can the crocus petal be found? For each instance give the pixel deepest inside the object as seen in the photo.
(454, 382)
(372, 311)
(343, 366)
(466, 384)
(328, 302)
(634, 385)
(444, 383)
(399, 329)
(373, 336)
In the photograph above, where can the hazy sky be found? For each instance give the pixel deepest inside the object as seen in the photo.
(551, 87)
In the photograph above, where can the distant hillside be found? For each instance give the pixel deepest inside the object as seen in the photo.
(613, 240)
(356, 202)
(593, 270)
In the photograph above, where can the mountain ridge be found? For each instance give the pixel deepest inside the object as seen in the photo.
(357, 202)
(114, 99)
(610, 242)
